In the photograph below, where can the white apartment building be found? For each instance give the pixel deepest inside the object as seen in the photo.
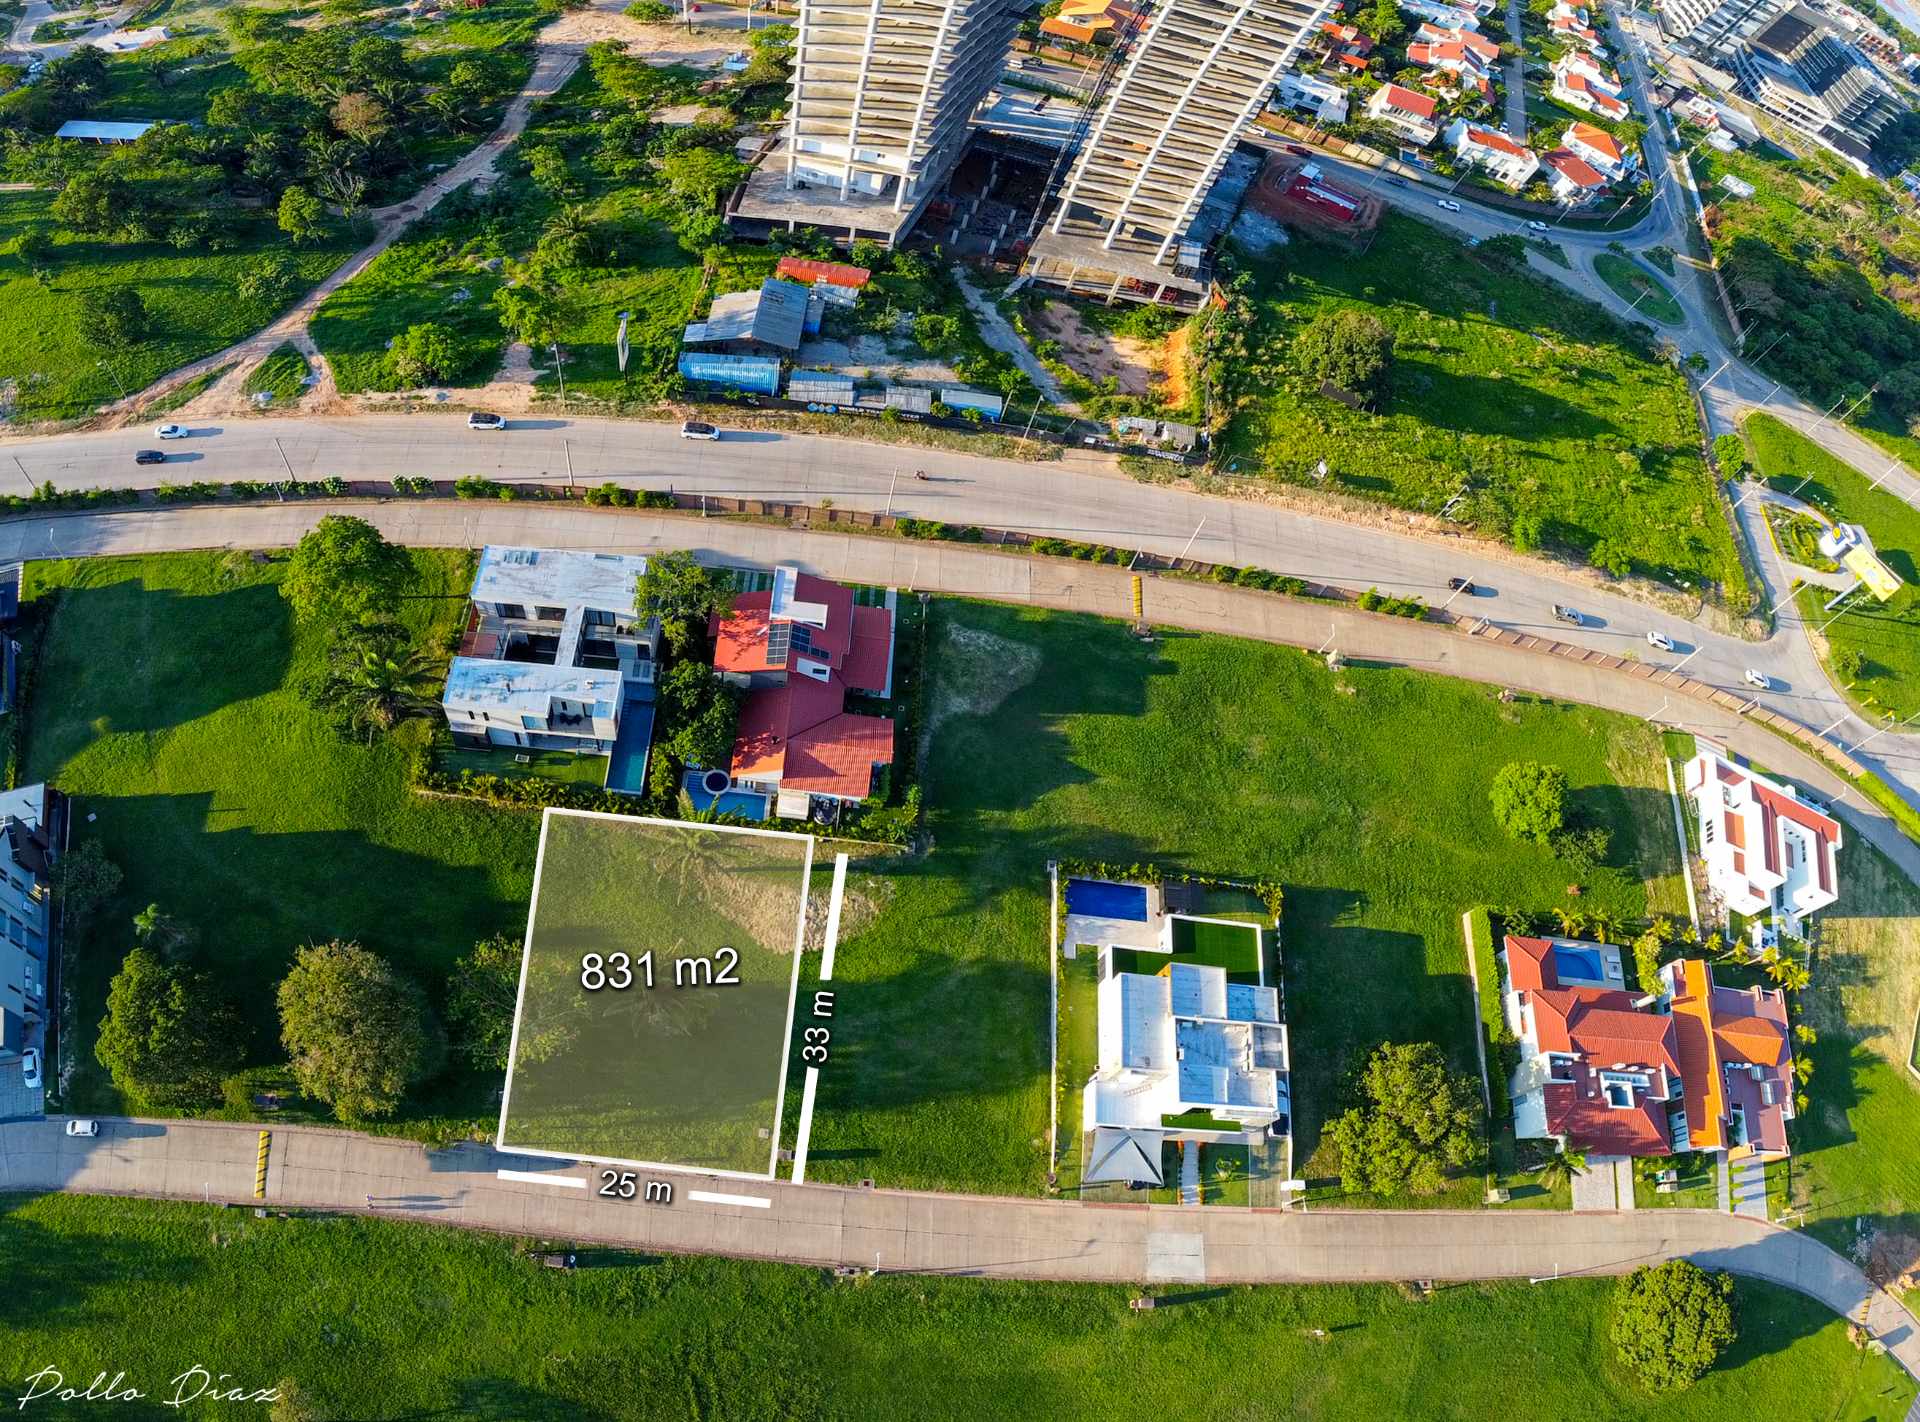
(1766, 850)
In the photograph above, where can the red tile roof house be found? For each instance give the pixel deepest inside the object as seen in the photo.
(1600, 149)
(1402, 109)
(799, 648)
(1693, 1067)
(1575, 181)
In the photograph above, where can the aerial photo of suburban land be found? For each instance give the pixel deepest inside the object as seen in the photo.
(960, 709)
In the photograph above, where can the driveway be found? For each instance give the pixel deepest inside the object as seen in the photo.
(16, 1097)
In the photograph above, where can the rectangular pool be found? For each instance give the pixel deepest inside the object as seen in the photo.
(1097, 898)
(748, 804)
(627, 762)
(1579, 963)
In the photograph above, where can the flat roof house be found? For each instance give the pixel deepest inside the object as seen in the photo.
(32, 829)
(553, 658)
(1765, 849)
(799, 648)
(1406, 112)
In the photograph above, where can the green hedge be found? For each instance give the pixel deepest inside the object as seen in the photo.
(1503, 1052)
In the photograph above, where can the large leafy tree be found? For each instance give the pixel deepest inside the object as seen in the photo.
(1672, 1321)
(358, 1033)
(1349, 347)
(168, 1036)
(302, 216)
(94, 202)
(1530, 800)
(1414, 1124)
(424, 353)
(481, 996)
(344, 571)
(682, 594)
(113, 317)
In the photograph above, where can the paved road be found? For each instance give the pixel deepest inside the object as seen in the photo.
(928, 1233)
(972, 572)
(1079, 497)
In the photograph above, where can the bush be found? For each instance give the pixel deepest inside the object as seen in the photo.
(1672, 1321)
(1530, 800)
(650, 12)
(1373, 600)
(473, 486)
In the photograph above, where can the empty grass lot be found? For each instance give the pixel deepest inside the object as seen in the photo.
(1563, 428)
(1060, 737)
(282, 374)
(1633, 283)
(1885, 634)
(165, 701)
(190, 296)
(379, 1319)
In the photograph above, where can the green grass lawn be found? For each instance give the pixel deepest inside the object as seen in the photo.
(1212, 756)
(190, 296)
(564, 766)
(283, 373)
(164, 703)
(1632, 283)
(1563, 428)
(1886, 635)
(380, 1319)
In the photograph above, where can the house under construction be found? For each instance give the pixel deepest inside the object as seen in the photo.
(882, 94)
(1139, 212)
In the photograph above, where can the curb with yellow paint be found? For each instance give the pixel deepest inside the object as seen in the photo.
(260, 1171)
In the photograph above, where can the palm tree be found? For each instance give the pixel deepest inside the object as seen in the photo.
(1572, 922)
(1603, 926)
(1561, 1167)
(383, 684)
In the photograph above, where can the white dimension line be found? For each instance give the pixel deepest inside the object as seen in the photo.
(805, 1134)
(709, 1197)
(534, 1177)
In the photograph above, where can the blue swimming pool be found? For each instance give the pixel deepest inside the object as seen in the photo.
(747, 803)
(1579, 963)
(627, 762)
(1099, 899)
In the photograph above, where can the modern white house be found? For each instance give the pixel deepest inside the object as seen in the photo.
(553, 658)
(32, 831)
(1308, 93)
(1766, 850)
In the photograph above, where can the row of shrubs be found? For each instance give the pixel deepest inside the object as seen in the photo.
(1085, 552)
(611, 495)
(1373, 600)
(933, 528)
(1260, 578)
(1267, 890)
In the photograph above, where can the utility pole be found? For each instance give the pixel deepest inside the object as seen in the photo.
(555, 347)
(566, 448)
(23, 473)
(286, 464)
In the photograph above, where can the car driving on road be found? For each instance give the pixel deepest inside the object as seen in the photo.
(83, 1128)
(1536, 225)
(170, 432)
(1660, 640)
(698, 429)
(149, 456)
(1759, 680)
(486, 420)
(1566, 614)
(1464, 585)
(1448, 205)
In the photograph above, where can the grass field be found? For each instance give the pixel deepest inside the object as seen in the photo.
(1562, 429)
(385, 1320)
(190, 297)
(165, 702)
(1213, 756)
(1886, 635)
(283, 373)
(1632, 283)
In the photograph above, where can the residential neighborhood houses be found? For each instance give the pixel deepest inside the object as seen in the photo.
(1506, 162)
(1409, 113)
(1767, 851)
(1582, 83)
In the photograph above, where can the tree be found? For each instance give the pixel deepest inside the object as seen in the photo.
(1530, 800)
(113, 318)
(267, 280)
(481, 996)
(423, 353)
(1671, 1322)
(1415, 1123)
(701, 712)
(1848, 663)
(1506, 252)
(168, 1037)
(1561, 1167)
(358, 1033)
(344, 570)
(375, 681)
(302, 215)
(156, 929)
(697, 176)
(531, 307)
(1350, 348)
(83, 881)
(94, 202)
(360, 117)
(682, 594)
(547, 166)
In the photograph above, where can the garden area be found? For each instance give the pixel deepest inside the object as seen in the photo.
(101, 1284)
(1514, 407)
(1210, 756)
(1872, 647)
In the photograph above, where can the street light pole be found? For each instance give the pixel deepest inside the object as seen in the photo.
(1190, 542)
(558, 371)
(1890, 726)
(23, 472)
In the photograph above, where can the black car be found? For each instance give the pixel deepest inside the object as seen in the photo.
(150, 456)
(1459, 585)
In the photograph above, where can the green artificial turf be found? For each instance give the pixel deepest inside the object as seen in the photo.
(1886, 635)
(165, 702)
(1562, 429)
(383, 1320)
(1058, 737)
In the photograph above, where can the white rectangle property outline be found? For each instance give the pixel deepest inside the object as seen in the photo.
(526, 958)
(804, 1136)
(535, 1177)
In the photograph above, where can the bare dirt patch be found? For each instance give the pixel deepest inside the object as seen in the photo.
(978, 671)
(659, 45)
(1889, 1258)
(1098, 355)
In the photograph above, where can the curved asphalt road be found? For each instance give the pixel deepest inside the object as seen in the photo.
(1079, 497)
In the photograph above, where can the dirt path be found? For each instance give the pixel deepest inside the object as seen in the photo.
(556, 56)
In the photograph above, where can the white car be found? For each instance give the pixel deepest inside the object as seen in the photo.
(1759, 679)
(1449, 205)
(30, 1066)
(1660, 640)
(170, 432)
(1536, 225)
(83, 1128)
(698, 429)
(485, 420)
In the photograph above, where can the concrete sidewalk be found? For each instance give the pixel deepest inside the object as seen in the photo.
(952, 1234)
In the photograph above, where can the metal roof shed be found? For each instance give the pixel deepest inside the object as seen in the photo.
(104, 131)
(824, 386)
(911, 398)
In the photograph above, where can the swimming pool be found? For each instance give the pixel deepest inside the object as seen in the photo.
(1096, 898)
(750, 804)
(1579, 963)
(627, 761)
